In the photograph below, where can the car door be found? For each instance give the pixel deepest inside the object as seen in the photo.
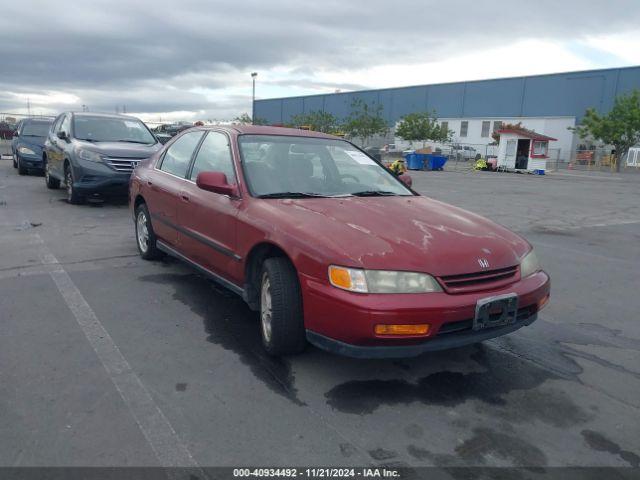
(208, 220)
(55, 153)
(165, 182)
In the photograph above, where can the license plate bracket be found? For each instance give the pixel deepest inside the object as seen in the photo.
(496, 311)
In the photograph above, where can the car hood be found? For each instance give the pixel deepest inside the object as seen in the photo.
(401, 233)
(121, 149)
(30, 141)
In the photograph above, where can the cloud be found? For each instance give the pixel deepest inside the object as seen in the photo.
(195, 56)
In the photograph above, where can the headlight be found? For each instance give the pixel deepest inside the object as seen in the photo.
(89, 155)
(529, 264)
(381, 281)
(26, 151)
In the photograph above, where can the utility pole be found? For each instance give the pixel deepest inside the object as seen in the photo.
(28, 107)
(253, 98)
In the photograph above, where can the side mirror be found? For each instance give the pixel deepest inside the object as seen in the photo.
(62, 135)
(216, 182)
(406, 179)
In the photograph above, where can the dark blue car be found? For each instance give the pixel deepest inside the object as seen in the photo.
(27, 144)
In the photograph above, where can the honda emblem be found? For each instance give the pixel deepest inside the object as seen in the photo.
(484, 263)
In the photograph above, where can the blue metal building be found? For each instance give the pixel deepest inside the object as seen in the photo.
(555, 95)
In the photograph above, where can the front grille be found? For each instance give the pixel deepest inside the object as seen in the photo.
(123, 164)
(469, 282)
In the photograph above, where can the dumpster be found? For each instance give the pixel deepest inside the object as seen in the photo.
(415, 161)
(435, 162)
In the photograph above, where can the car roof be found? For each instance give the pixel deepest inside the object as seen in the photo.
(267, 130)
(104, 115)
(36, 120)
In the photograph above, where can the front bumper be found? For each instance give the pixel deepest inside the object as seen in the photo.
(29, 161)
(98, 185)
(444, 342)
(344, 322)
(96, 179)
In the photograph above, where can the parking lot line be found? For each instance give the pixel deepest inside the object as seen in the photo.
(162, 438)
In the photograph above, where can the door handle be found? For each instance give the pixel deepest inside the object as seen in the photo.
(149, 183)
(184, 197)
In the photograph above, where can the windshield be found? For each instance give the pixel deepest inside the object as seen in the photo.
(35, 129)
(301, 166)
(109, 129)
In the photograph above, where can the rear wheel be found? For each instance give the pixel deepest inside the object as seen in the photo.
(281, 317)
(72, 195)
(145, 236)
(52, 183)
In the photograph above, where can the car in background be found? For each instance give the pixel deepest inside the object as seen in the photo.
(94, 154)
(28, 142)
(6, 130)
(330, 247)
(463, 152)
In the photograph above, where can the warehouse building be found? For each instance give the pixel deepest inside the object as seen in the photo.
(548, 104)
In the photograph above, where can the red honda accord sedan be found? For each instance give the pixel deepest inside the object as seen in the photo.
(329, 246)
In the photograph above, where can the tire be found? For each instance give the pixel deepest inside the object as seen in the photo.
(21, 169)
(52, 183)
(15, 164)
(72, 195)
(281, 317)
(145, 236)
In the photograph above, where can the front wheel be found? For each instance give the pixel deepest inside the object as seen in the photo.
(145, 236)
(51, 182)
(15, 164)
(281, 316)
(72, 195)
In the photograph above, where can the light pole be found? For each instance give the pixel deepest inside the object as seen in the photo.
(253, 98)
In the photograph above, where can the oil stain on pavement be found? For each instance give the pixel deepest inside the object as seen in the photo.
(231, 325)
(600, 443)
(501, 375)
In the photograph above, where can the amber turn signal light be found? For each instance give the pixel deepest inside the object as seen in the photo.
(543, 301)
(420, 329)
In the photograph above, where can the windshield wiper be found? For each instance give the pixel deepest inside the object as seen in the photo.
(290, 195)
(135, 141)
(373, 193)
(92, 140)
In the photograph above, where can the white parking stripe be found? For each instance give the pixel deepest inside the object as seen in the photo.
(162, 438)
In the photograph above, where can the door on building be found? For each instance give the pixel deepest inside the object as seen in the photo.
(522, 154)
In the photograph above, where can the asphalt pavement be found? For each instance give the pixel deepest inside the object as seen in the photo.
(109, 360)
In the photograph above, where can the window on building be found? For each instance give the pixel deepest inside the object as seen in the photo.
(464, 128)
(444, 126)
(486, 125)
(497, 125)
(540, 148)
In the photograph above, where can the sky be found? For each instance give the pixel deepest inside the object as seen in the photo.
(192, 60)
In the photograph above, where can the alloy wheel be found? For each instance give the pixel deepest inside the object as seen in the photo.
(69, 182)
(265, 308)
(142, 232)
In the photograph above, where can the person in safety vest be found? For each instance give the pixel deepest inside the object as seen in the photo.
(398, 167)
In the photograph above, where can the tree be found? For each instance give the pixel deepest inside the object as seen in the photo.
(318, 121)
(421, 127)
(245, 119)
(365, 121)
(620, 127)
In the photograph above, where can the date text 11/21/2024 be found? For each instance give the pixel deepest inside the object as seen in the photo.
(316, 473)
